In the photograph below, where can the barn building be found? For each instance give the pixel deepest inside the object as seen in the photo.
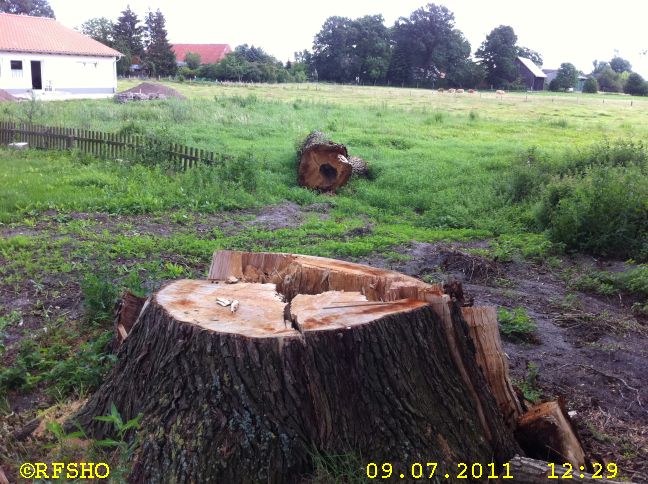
(531, 75)
(209, 53)
(40, 54)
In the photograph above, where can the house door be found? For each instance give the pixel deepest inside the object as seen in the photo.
(37, 79)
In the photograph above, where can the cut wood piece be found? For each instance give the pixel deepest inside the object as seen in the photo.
(301, 274)
(323, 164)
(260, 312)
(546, 432)
(484, 331)
(343, 310)
(126, 313)
(322, 356)
(532, 471)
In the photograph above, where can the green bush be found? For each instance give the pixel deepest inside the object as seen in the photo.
(592, 201)
(590, 86)
(602, 212)
(85, 370)
(633, 281)
(516, 325)
(636, 85)
(99, 296)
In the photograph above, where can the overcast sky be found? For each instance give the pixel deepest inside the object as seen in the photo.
(576, 31)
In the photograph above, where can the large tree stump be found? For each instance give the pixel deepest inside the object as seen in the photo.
(321, 356)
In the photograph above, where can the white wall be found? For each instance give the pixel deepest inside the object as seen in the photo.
(77, 74)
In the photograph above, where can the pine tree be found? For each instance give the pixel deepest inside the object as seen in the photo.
(127, 33)
(159, 57)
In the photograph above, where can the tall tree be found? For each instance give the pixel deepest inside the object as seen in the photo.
(35, 8)
(99, 28)
(427, 47)
(608, 80)
(619, 64)
(159, 56)
(371, 47)
(497, 54)
(566, 77)
(331, 49)
(127, 33)
(346, 49)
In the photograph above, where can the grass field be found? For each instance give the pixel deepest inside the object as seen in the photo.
(531, 179)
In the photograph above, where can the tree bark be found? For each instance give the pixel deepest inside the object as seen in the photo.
(325, 165)
(126, 313)
(358, 166)
(321, 356)
(484, 331)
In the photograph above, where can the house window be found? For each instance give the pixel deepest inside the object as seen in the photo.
(16, 68)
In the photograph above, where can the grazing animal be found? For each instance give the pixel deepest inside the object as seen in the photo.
(500, 92)
(440, 89)
(451, 91)
(460, 91)
(471, 91)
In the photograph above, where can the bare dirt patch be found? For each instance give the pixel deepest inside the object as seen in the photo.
(152, 88)
(590, 349)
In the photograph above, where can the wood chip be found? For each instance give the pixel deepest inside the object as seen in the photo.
(223, 302)
(235, 305)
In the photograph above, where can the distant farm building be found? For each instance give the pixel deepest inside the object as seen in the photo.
(40, 54)
(209, 53)
(531, 75)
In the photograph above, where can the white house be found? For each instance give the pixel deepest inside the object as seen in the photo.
(40, 54)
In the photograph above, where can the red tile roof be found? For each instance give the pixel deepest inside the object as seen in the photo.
(21, 33)
(209, 53)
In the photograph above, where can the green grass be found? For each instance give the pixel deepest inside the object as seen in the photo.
(435, 158)
(444, 168)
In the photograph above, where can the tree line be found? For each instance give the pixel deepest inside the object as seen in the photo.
(425, 49)
(615, 75)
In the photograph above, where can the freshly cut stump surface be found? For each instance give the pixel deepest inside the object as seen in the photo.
(310, 363)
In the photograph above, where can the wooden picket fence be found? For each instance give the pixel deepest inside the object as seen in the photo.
(105, 145)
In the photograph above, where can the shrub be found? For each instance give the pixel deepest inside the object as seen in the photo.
(99, 296)
(85, 370)
(516, 325)
(590, 86)
(603, 212)
(636, 85)
(592, 201)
